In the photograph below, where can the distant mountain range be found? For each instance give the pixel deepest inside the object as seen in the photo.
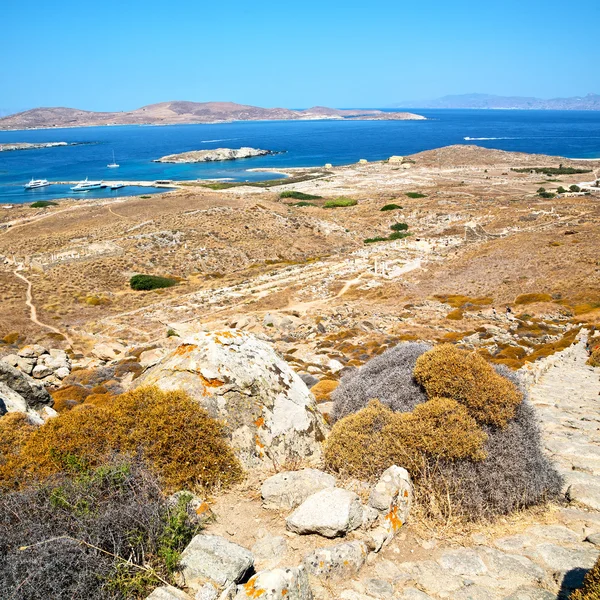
(589, 102)
(179, 112)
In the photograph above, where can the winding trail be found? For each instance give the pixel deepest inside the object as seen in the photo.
(33, 309)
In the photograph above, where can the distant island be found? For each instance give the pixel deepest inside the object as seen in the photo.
(180, 112)
(218, 154)
(28, 146)
(489, 101)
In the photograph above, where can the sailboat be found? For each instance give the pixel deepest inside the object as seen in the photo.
(113, 164)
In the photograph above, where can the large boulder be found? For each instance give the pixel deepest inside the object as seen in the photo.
(21, 393)
(332, 512)
(289, 489)
(291, 584)
(269, 412)
(215, 560)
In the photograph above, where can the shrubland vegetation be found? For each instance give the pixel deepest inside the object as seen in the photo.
(103, 533)
(560, 170)
(340, 202)
(150, 282)
(43, 204)
(298, 195)
(390, 207)
(415, 195)
(398, 232)
(462, 427)
(591, 585)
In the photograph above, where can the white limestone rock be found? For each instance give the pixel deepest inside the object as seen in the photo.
(331, 513)
(289, 489)
(214, 559)
(32, 351)
(291, 584)
(168, 592)
(269, 413)
(340, 561)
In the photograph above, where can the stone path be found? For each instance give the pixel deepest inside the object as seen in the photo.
(540, 561)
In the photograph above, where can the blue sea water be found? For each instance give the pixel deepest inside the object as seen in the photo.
(574, 134)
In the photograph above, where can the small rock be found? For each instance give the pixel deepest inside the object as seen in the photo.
(379, 588)
(330, 513)
(214, 559)
(289, 489)
(168, 592)
(291, 584)
(586, 494)
(62, 372)
(149, 358)
(342, 560)
(41, 371)
(335, 365)
(309, 380)
(32, 351)
(26, 365)
(207, 592)
(11, 359)
(593, 538)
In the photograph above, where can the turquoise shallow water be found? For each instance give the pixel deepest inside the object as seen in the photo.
(574, 134)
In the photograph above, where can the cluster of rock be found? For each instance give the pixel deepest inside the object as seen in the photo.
(213, 567)
(47, 366)
(218, 154)
(21, 393)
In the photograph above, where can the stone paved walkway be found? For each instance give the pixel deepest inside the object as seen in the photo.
(541, 561)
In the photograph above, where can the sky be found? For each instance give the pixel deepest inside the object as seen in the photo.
(122, 54)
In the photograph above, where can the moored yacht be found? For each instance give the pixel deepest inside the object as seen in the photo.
(86, 186)
(116, 185)
(36, 183)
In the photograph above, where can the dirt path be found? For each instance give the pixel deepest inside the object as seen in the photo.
(33, 310)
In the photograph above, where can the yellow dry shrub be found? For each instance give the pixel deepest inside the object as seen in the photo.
(15, 429)
(69, 396)
(594, 359)
(455, 315)
(322, 390)
(531, 298)
(591, 585)
(450, 372)
(170, 431)
(365, 443)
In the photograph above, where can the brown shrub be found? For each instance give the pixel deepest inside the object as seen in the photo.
(591, 585)
(460, 301)
(170, 431)
(365, 443)
(594, 359)
(466, 377)
(322, 390)
(15, 429)
(455, 315)
(67, 397)
(531, 298)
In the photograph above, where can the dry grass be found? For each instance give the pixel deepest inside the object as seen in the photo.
(466, 377)
(532, 298)
(322, 390)
(184, 446)
(591, 585)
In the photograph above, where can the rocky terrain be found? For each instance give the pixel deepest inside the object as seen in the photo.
(30, 146)
(178, 112)
(218, 154)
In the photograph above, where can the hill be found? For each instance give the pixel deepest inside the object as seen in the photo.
(489, 101)
(180, 112)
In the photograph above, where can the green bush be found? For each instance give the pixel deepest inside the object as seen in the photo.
(574, 188)
(43, 204)
(561, 190)
(150, 282)
(399, 227)
(415, 195)
(553, 170)
(546, 195)
(298, 195)
(399, 235)
(390, 207)
(373, 240)
(301, 204)
(340, 203)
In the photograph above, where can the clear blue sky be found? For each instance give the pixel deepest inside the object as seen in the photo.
(121, 54)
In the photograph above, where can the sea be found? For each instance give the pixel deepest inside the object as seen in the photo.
(573, 134)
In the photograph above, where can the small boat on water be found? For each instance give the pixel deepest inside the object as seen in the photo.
(36, 183)
(86, 186)
(117, 185)
(113, 164)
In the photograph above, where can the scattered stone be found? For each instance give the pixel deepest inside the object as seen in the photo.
(309, 380)
(379, 588)
(32, 351)
(331, 512)
(291, 584)
(463, 561)
(168, 592)
(342, 560)
(270, 414)
(41, 371)
(593, 538)
(586, 494)
(289, 489)
(214, 559)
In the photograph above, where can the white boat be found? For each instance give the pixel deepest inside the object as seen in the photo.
(36, 183)
(117, 185)
(113, 164)
(86, 186)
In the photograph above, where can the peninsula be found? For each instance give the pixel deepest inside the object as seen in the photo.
(180, 112)
(29, 146)
(218, 154)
